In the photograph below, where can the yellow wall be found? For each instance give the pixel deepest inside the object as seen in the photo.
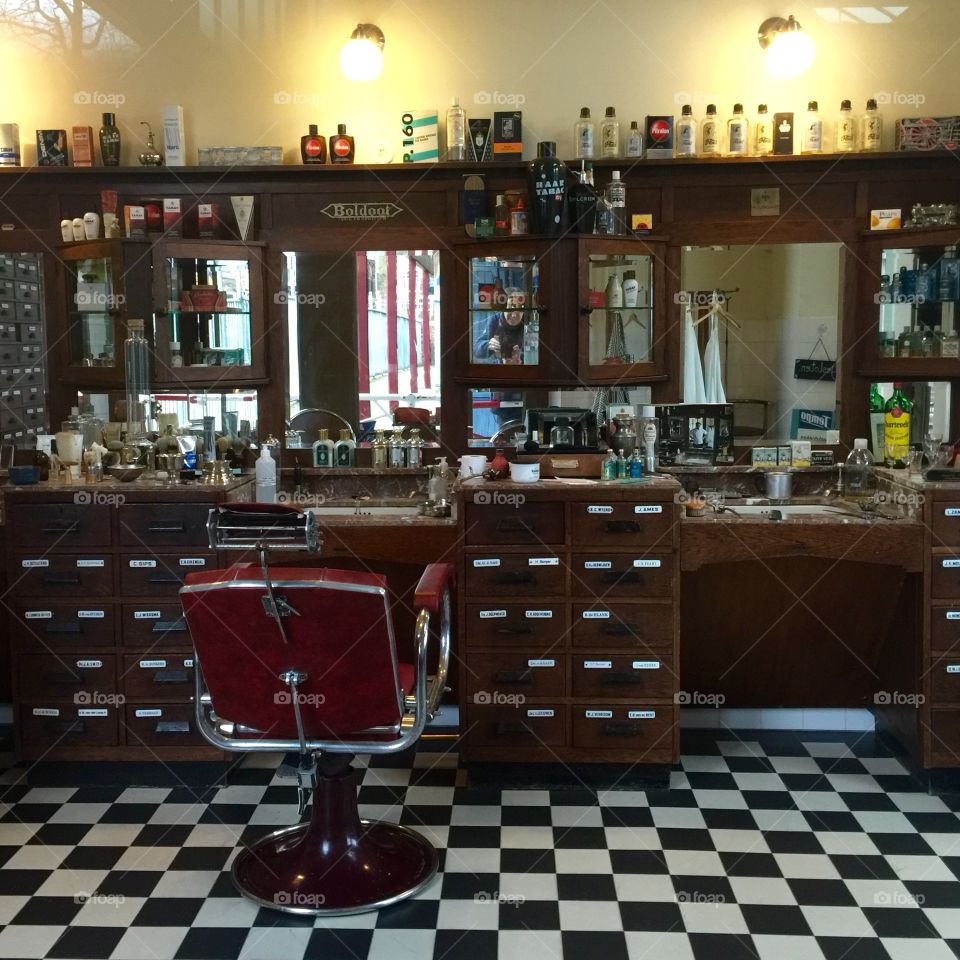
(226, 61)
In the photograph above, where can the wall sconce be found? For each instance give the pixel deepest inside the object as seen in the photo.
(790, 51)
(362, 55)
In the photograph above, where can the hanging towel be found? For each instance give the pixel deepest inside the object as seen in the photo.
(712, 374)
(693, 389)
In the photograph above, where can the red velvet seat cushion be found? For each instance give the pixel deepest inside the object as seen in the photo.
(406, 674)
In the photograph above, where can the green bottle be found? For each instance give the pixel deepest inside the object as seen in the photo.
(896, 428)
(610, 467)
(876, 399)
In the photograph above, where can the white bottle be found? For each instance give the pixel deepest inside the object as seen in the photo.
(686, 133)
(631, 289)
(871, 128)
(634, 141)
(323, 452)
(456, 131)
(648, 435)
(266, 482)
(610, 134)
(738, 133)
(710, 133)
(846, 129)
(763, 132)
(812, 130)
(583, 135)
(614, 293)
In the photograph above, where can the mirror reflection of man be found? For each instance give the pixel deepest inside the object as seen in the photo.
(501, 339)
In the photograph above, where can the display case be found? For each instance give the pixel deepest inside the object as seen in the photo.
(208, 316)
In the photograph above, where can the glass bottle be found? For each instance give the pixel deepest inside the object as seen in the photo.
(871, 128)
(110, 141)
(136, 356)
(904, 342)
(859, 479)
(520, 219)
(635, 466)
(846, 138)
(378, 448)
(738, 133)
(616, 194)
(763, 132)
(686, 133)
(344, 450)
(896, 428)
(710, 133)
(561, 434)
(609, 466)
(396, 449)
(812, 130)
(414, 448)
(610, 134)
(176, 357)
(622, 468)
(501, 217)
(456, 131)
(583, 136)
(634, 141)
(323, 452)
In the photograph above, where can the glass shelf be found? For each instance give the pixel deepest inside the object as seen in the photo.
(504, 318)
(619, 335)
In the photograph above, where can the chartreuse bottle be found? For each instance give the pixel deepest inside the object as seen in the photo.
(896, 428)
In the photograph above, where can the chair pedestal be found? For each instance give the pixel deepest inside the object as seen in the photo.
(336, 863)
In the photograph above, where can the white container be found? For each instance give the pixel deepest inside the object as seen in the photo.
(525, 472)
(266, 477)
(472, 465)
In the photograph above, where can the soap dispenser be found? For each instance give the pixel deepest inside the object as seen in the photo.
(266, 482)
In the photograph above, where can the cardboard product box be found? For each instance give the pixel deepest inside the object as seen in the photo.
(207, 219)
(172, 217)
(889, 219)
(784, 456)
(763, 456)
(135, 221)
(800, 450)
(508, 135)
(9, 145)
(783, 134)
(174, 146)
(480, 140)
(659, 137)
(83, 146)
(51, 148)
(421, 137)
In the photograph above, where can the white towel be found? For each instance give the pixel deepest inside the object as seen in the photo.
(693, 389)
(712, 374)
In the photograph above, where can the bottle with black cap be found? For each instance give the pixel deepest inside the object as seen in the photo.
(738, 133)
(110, 141)
(846, 129)
(710, 130)
(313, 147)
(812, 130)
(871, 128)
(547, 177)
(763, 132)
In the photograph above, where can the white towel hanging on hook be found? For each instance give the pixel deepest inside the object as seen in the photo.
(693, 388)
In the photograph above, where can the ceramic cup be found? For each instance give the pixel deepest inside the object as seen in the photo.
(472, 466)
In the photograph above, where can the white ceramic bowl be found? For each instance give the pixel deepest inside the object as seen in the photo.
(525, 472)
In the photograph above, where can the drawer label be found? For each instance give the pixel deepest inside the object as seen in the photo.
(192, 562)
(597, 564)
(492, 614)
(597, 664)
(146, 614)
(135, 564)
(46, 712)
(152, 664)
(34, 563)
(598, 714)
(952, 512)
(543, 562)
(595, 614)
(89, 664)
(539, 614)
(647, 563)
(953, 668)
(540, 713)
(600, 508)
(91, 614)
(90, 563)
(144, 712)
(641, 714)
(93, 712)
(541, 663)
(648, 508)
(188, 662)
(953, 614)
(486, 562)
(38, 615)
(952, 562)
(646, 664)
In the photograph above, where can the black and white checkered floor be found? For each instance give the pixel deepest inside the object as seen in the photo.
(787, 846)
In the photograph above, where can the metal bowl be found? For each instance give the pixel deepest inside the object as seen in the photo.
(125, 472)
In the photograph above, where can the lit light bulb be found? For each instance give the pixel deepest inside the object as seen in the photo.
(790, 53)
(361, 58)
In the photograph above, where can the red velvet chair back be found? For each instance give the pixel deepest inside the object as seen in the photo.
(342, 639)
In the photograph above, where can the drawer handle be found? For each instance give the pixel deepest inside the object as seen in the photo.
(626, 576)
(620, 677)
(166, 528)
(515, 676)
(170, 626)
(172, 726)
(70, 726)
(165, 578)
(171, 676)
(513, 576)
(69, 526)
(621, 729)
(74, 627)
(59, 578)
(63, 678)
(623, 526)
(513, 727)
(622, 629)
(514, 630)
(511, 525)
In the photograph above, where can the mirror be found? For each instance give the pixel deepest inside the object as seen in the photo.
(784, 301)
(363, 333)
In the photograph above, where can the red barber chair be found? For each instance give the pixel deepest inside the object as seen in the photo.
(305, 659)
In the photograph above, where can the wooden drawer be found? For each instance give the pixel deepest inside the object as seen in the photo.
(641, 625)
(161, 725)
(59, 525)
(150, 624)
(622, 676)
(624, 525)
(497, 523)
(621, 575)
(532, 674)
(518, 575)
(28, 312)
(164, 676)
(945, 679)
(945, 738)
(159, 575)
(79, 678)
(945, 629)
(62, 575)
(945, 577)
(642, 730)
(54, 724)
(945, 529)
(512, 725)
(533, 626)
(150, 525)
(63, 625)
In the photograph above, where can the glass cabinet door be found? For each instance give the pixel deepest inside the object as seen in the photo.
(619, 310)
(504, 316)
(93, 306)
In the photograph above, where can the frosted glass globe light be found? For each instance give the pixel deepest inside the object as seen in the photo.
(790, 51)
(361, 58)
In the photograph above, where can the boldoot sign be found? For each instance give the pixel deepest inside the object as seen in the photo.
(361, 211)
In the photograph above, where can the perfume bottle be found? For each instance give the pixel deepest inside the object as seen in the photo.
(313, 147)
(634, 141)
(583, 135)
(738, 133)
(812, 130)
(763, 132)
(323, 449)
(846, 129)
(456, 131)
(710, 133)
(686, 133)
(610, 134)
(341, 146)
(344, 450)
(871, 128)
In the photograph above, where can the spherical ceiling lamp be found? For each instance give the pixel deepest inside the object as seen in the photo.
(790, 51)
(361, 58)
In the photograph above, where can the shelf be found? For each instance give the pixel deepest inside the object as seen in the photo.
(228, 312)
(919, 368)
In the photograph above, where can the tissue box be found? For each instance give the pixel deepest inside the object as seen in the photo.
(800, 452)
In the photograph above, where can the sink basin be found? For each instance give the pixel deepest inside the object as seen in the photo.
(789, 510)
(349, 510)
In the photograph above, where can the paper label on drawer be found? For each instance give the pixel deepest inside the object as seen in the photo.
(89, 664)
(91, 614)
(46, 712)
(134, 564)
(952, 562)
(543, 562)
(641, 714)
(646, 664)
(597, 564)
(598, 714)
(492, 614)
(597, 664)
(540, 713)
(953, 614)
(90, 563)
(188, 662)
(539, 614)
(192, 562)
(648, 508)
(595, 615)
(34, 563)
(646, 563)
(38, 615)
(541, 663)
(93, 712)
(486, 562)
(153, 712)
(152, 664)
(597, 508)
(146, 614)
(952, 512)
(953, 668)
